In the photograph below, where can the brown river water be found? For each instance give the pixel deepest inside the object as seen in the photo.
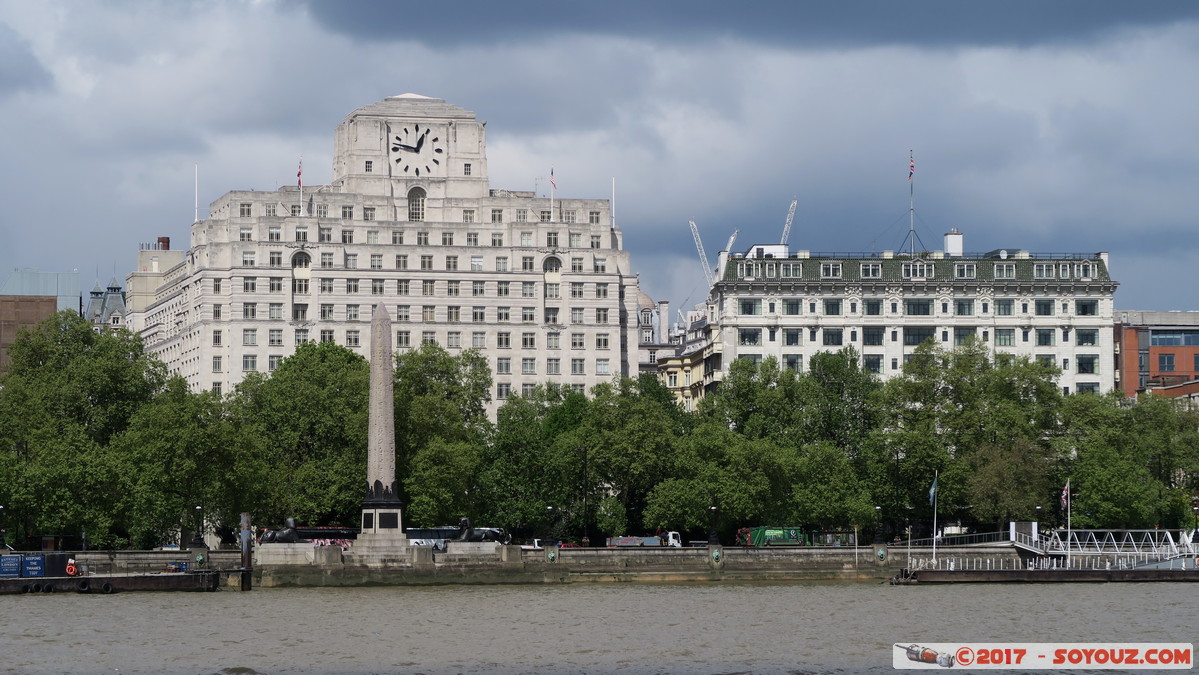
(580, 628)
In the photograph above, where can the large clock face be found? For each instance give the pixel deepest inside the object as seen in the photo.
(418, 150)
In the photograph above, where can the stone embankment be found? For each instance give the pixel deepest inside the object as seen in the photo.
(278, 565)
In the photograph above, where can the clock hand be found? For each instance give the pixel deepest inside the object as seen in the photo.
(401, 146)
(420, 142)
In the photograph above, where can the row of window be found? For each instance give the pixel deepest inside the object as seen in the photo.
(416, 207)
(503, 390)
(454, 339)
(1166, 363)
(427, 313)
(762, 269)
(874, 364)
(916, 307)
(451, 263)
(430, 287)
(912, 336)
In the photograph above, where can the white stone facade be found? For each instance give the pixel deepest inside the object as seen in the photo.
(770, 301)
(545, 292)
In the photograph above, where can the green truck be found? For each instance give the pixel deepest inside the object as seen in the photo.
(770, 535)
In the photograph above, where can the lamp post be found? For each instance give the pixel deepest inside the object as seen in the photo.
(878, 526)
(549, 523)
(1194, 510)
(3, 544)
(713, 540)
(198, 539)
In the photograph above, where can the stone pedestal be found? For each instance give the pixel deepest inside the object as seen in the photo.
(284, 554)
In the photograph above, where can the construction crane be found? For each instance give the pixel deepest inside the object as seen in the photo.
(790, 217)
(703, 257)
(729, 246)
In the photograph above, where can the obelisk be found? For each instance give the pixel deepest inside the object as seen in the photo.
(381, 523)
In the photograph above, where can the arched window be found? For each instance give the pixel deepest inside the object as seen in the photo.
(552, 264)
(301, 259)
(416, 205)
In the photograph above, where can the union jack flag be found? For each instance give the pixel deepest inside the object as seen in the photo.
(300, 174)
(1066, 495)
(911, 166)
(552, 181)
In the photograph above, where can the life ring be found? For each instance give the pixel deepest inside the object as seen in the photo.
(48, 588)
(106, 588)
(72, 570)
(83, 586)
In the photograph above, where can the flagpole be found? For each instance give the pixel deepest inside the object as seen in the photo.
(553, 186)
(300, 182)
(912, 202)
(1069, 498)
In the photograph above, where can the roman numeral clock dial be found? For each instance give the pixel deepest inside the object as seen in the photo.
(418, 150)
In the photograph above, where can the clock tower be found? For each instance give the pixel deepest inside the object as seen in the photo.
(411, 141)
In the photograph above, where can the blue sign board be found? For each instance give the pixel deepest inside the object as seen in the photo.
(10, 566)
(34, 565)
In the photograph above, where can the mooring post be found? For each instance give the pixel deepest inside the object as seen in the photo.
(247, 539)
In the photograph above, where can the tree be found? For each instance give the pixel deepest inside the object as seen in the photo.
(303, 436)
(68, 391)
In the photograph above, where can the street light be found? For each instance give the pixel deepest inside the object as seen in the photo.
(878, 526)
(198, 539)
(3, 544)
(713, 540)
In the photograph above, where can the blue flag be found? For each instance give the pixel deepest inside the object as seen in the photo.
(932, 492)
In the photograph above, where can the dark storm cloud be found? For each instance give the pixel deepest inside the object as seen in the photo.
(932, 23)
(19, 68)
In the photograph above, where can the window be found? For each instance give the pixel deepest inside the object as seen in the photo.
(376, 261)
(472, 238)
(502, 391)
(275, 337)
(299, 260)
(963, 307)
(964, 271)
(750, 307)
(833, 337)
(872, 307)
(914, 335)
(1086, 307)
(351, 261)
(576, 341)
(528, 366)
(249, 363)
(593, 217)
(416, 205)
(602, 367)
(1003, 307)
(1088, 364)
(402, 261)
(351, 312)
(347, 236)
(872, 336)
(544, 215)
(1043, 270)
(503, 365)
(478, 340)
(368, 167)
(301, 336)
(832, 308)
(792, 337)
(353, 338)
(326, 312)
(1005, 337)
(1046, 337)
(216, 311)
(872, 271)
(601, 265)
(476, 263)
(403, 312)
(249, 310)
(468, 215)
(245, 210)
(1005, 270)
(453, 313)
(403, 339)
(501, 263)
(326, 260)
(503, 340)
(428, 337)
(1165, 363)
(269, 210)
(216, 338)
(1086, 337)
(553, 366)
(576, 315)
(397, 237)
(595, 241)
(601, 341)
(553, 340)
(249, 336)
(301, 233)
(497, 238)
(249, 284)
(749, 336)
(601, 315)
(368, 213)
(553, 290)
(478, 314)
(451, 263)
(403, 286)
(497, 215)
(551, 239)
(276, 310)
(247, 258)
(426, 262)
(960, 335)
(578, 367)
(526, 263)
(447, 238)
(453, 340)
(299, 286)
(830, 270)
(501, 288)
(428, 313)
(276, 258)
(918, 270)
(913, 307)
(453, 288)
(325, 234)
(299, 312)
(873, 363)
(1043, 307)
(528, 314)
(351, 285)
(217, 364)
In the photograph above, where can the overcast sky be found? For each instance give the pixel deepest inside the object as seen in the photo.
(1066, 126)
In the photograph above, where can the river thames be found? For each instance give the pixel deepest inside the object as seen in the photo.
(579, 628)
